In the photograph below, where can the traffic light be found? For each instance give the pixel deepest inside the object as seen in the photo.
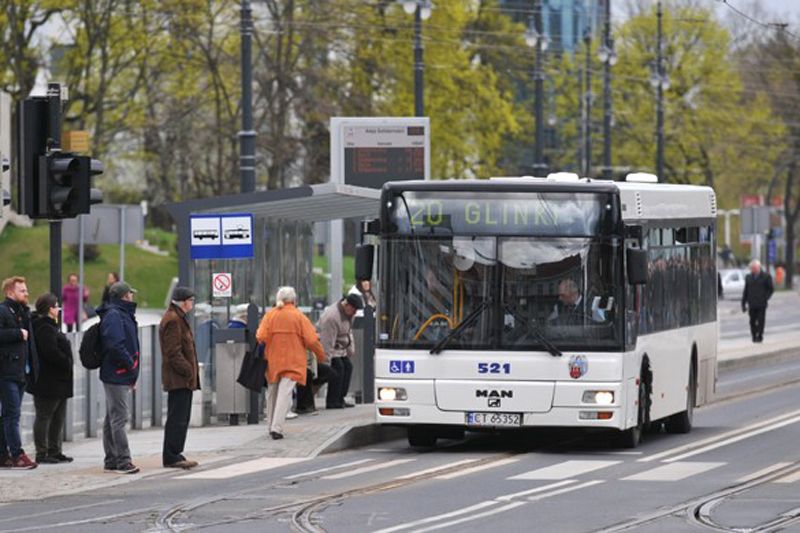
(65, 185)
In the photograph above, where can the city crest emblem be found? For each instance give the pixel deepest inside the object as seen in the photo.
(578, 366)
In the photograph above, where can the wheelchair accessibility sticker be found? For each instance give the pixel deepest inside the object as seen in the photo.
(401, 367)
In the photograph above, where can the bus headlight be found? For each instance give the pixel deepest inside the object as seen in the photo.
(391, 394)
(598, 397)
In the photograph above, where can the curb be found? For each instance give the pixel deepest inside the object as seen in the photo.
(778, 355)
(359, 436)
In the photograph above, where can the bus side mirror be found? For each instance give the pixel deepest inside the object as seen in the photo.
(637, 266)
(364, 257)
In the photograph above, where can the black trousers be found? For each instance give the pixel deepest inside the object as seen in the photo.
(179, 410)
(339, 381)
(757, 317)
(48, 426)
(305, 393)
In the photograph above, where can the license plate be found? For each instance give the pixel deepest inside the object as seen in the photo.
(494, 419)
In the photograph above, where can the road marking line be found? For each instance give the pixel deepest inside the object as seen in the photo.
(673, 472)
(714, 438)
(473, 517)
(430, 519)
(241, 469)
(365, 469)
(791, 478)
(522, 493)
(565, 490)
(733, 440)
(328, 469)
(565, 470)
(77, 522)
(468, 471)
(762, 472)
(438, 468)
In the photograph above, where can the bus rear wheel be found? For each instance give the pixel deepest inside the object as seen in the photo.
(682, 422)
(421, 437)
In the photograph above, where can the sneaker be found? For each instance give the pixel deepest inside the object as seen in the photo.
(47, 460)
(290, 415)
(275, 435)
(22, 462)
(61, 458)
(306, 410)
(128, 468)
(5, 461)
(348, 404)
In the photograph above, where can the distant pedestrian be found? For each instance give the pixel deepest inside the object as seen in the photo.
(111, 279)
(363, 288)
(335, 331)
(72, 302)
(758, 290)
(180, 375)
(54, 385)
(287, 333)
(18, 364)
(119, 341)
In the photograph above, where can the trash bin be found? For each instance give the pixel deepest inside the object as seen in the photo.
(230, 346)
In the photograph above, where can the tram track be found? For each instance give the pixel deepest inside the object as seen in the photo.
(699, 511)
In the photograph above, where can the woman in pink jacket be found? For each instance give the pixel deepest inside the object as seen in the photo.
(70, 301)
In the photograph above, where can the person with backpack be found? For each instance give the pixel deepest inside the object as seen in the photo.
(119, 371)
(54, 386)
(180, 376)
(18, 365)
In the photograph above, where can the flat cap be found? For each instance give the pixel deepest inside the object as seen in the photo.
(120, 289)
(355, 300)
(181, 294)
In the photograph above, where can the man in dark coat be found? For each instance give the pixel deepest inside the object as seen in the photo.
(54, 386)
(180, 375)
(18, 364)
(119, 343)
(758, 290)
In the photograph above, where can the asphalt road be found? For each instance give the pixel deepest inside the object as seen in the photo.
(738, 469)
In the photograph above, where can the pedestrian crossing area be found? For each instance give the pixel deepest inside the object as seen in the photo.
(509, 467)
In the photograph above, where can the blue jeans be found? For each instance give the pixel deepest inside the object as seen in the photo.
(10, 407)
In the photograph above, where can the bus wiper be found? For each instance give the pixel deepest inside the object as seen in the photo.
(555, 352)
(472, 317)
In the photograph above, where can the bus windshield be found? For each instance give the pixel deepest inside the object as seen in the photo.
(530, 292)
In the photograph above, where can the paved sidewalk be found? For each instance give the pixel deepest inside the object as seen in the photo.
(306, 436)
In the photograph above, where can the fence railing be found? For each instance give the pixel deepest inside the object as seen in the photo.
(86, 409)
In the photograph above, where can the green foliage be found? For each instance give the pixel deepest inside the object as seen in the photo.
(26, 252)
(166, 241)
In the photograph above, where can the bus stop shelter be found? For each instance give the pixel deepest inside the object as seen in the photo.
(283, 241)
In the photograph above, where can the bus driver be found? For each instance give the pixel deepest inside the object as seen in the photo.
(570, 309)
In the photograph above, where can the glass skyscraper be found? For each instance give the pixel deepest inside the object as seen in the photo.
(564, 21)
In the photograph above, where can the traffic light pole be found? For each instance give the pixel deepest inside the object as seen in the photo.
(55, 258)
(54, 144)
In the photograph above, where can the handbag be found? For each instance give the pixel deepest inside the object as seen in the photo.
(252, 374)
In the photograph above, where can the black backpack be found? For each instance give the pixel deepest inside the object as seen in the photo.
(90, 350)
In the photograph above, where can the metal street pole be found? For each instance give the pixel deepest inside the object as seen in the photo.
(247, 137)
(54, 145)
(587, 125)
(659, 100)
(419, 66)
(539, 165)
(607, 173)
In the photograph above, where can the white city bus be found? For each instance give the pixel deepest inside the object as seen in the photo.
(558, 301)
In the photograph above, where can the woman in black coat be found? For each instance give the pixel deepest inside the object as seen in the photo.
(54, 386)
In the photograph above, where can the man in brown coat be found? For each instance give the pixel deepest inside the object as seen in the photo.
(179, 375)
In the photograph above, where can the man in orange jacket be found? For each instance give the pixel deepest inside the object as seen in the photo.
(287, 333)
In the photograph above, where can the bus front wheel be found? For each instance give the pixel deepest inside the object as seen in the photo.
(421, 437)
(682, 422)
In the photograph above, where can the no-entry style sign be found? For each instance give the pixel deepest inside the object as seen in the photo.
(222, 284)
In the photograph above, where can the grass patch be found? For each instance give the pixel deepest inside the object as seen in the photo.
(321, 281)
(26, 252)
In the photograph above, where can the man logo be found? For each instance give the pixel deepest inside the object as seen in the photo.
(494, 402)
(485, 393)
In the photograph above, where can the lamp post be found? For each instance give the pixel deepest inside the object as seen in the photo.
(587, 107)
(608, 57)
(660, 82)
(421, 9)
(534, 38)
(247, 136)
